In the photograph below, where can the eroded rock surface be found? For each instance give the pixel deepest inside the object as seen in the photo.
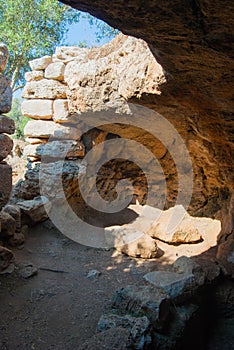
(193, 43)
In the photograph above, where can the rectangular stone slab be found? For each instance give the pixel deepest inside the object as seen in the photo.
(44, 89)
(46, 129)
(37, 109)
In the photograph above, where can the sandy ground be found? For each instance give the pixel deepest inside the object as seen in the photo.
(59, 310)
(60, 306)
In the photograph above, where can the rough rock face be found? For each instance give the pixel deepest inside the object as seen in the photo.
(7, 222)
(192, 41)
(6, 127)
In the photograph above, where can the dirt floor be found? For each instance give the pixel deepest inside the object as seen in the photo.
(60, 309)
(60, 306)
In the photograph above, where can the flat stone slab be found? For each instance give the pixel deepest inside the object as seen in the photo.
(37, 109)
(40, 63)
(44, 89)
(56, 150)
(46, 129)
(34, 75)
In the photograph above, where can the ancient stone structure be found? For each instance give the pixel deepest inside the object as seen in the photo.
(192, 41)
(7, 126)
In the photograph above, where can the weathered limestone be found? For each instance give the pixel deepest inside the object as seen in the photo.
(47, 129)
(37, 109)
(66, 54)
(55, 71)
(44, 89)
(40, 63)
(61, 111)
(56, 150)
(35, 75)
(107, 79)
(131, 242)
(192, 42)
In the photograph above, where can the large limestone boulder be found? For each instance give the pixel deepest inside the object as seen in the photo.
(108, 76)
(131, 242)
(175, 225)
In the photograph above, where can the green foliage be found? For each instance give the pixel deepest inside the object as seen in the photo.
(32, 28)
(20, 120)
(103, 29)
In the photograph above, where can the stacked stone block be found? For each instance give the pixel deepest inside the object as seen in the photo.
(45, 102)
(7, 127)
(62, 89)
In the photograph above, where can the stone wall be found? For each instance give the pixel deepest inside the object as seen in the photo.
(193, 41)
(64, 90)
(7, 126)
(68, 93)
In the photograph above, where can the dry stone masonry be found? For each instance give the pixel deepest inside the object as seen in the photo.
(60, 93)
(7, 127)
(12, 227)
